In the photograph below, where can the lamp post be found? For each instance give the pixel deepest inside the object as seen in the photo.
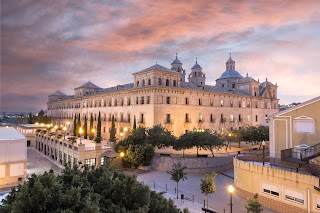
(229, 135)
(263, 145)
(125, 131)
(121, 134)
(231, 189)
(64, 132)
(80, 132)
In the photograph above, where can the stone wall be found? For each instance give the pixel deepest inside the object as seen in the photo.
(200, 165)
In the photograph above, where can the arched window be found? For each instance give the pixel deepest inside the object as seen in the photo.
(143, 83)
(149, 82)
(167, 82)
(159, 82)
(174, 83)
(137, 83)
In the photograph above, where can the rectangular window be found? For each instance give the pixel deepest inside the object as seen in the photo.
(148, 99)
(137, 100)
(304, 125)
(256, 118)
(187, 101)
(231, 118)
(212, 120)
(211, 102)
(200, 118)
(270, 189)
(121, 117)
(221, 103)
(102, 161)
(168, 100)
(129, 101)
(129, 119)
(142, 100)
(200, 101)
(248, 118)
(104, 129)
(142, 119)
(293, 196)
(187, 118)
(240, 119)
(90, 162)
(231, 103)
(168, 119)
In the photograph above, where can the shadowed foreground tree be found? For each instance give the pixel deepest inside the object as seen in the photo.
(177, 173)
(87, 190)
(208, 185)
(113, 130)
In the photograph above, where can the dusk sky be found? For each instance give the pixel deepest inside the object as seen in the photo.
(51, 45)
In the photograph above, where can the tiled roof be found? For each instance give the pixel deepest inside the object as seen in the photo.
(58, 93)
(230, 74)
(217, 89)
(156, 67)
(116, 88)
(89, 85)
(246, 79)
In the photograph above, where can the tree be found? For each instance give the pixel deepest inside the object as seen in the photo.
(253, 205)
(177, 173)
(113, 130)
(83, 190)
(79, 125)
(134, 122)
(85, 128)
(98, 138)
(41, 113)
(208, 185)
(91, 133)
(75, 125)
(160, 137)
(30, 120)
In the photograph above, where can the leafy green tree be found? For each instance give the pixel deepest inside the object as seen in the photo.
(208, 185)
(79, 125)
(113, 130)
(177, 173)
(253, 205)
(75, 125)
(87, 190)
(160, 137)
(98, 138)
(91, 133)
(85, 128)
(134, 122)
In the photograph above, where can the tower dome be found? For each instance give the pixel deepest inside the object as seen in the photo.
(196, 66)
(176, 61)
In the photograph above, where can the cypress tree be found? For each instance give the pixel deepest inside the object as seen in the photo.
(134, 122)
(78, 125)
(98, 138)
(75, 125)
(91, 134)
(85, 128)
(113, 131)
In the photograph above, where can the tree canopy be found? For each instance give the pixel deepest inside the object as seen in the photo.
(208, 185)
(253, 205)
(177, 173)
(87, 190)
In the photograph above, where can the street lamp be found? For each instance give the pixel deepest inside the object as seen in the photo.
(125, 131)
(121, 134)
(231, 189)
(263, 145)
(122, 154)
(229, 135)
(80, 131)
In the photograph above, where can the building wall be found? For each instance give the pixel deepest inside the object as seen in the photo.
(13, 162)
(253, 178)
(199, 102)
(282, 129)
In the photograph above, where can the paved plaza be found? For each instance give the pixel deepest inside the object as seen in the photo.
(39, 163)
(191, 189)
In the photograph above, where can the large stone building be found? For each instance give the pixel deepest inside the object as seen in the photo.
(159, 95)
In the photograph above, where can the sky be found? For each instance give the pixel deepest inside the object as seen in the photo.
(59, 45)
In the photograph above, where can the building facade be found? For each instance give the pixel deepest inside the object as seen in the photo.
(159, 95)
(13, 157)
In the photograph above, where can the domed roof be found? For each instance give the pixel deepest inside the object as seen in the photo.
(230, 74)
(176, 61)
(266, 83)
(196, 66)
(230, 59)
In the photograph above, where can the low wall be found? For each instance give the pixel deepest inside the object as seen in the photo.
(200, 165)
(249, 179)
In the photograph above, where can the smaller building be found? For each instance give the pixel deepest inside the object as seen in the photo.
(29, 131)
(13, 157)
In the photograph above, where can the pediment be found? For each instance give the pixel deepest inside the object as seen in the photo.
(303, 117)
